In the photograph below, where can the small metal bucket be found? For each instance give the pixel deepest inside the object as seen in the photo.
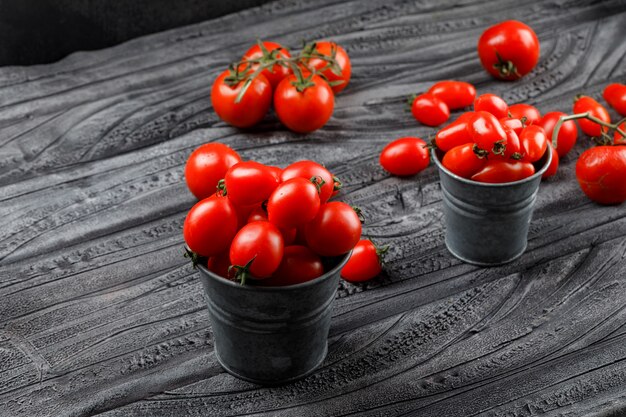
(487, 224)
(271, 335)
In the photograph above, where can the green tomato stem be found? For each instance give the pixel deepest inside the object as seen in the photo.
(586, 115)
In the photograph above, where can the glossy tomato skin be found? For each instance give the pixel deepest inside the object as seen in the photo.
(405, 156)
(534, 143)
(567, 134)
(515, 124)
(512, 41)
(455, 134)
(252, 107)
(615, 95)
(463, 161)
(600, 173)
(210, 226)
(493, 104)
(299, 264)
(334, 231)
(294, 202)
(276, 73)
(513, 145)
(249, 183)
(498, 171)
(307, 170)
(531, 113)
(618, 139)
(219, 264)
(486, 131)
(343, 60)
(554, 164)
(260, 243)
(206, 165)
(364, 263)
(306, 111)
(587, 104)
(456, 94)
(429, 110)
(258, 214)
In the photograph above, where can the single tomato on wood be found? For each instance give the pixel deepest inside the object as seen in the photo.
(601, 173)
(405, 156)
(365, 262)
(430, 110)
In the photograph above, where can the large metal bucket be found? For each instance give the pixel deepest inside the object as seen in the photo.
(487, 224)
(271, 335)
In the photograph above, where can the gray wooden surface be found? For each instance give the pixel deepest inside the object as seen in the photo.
(100, 312)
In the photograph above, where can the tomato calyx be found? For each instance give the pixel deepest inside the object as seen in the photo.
(506, 68)
(499, 147)
(221, 188)
(242, 271)
(381, 252)
(480, 153)
(587, 115)
(195, 258)
(359, 213)
(337, 184)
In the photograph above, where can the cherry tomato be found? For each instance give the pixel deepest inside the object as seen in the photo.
(515, 124)
(531, 113)
(554, 164)
(259, 214)
(567, 134)
(618, 139)
(364, 264)
(303, 111)
(250, 110)
(492, 104)
(405, 156)
(534, 143)
(206, 166)
(334, 231)
(587, 104)
(463, 161)
(210, 226)
(456, 94)
(276, 171)
(615, 95)
(429, 110)
(455, 134)
(219, 264)
(508, 50)
(487, 132)
(501, 171)
(257, 249)
(307, 170)
(300, 264)
(293, 202)
(513, 147)
(600, 173)
(277, 72)
(339, 81)
(249, 183)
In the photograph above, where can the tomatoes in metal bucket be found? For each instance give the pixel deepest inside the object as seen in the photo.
(206, 165)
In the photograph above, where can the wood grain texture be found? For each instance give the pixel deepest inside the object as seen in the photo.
(101, 314)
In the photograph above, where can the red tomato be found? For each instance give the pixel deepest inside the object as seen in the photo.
(365, 262)
(455, 134)
(618, 139)
(248, 183)
(259, 214)
(277, 72)
(492, 104)
(252, 107)
(339, 81)
(513, 147)
(463, 161)
(515, 124)
(276, 171)
(256, 250)
(300, 264)
(615, 95)
(456, 94)
(405, 156)
(534, 143)
(554, 164)
(219, 264)
(210, 226)
(531, 113)
(585, 104)
(429, 110)
(600, 173)
(206, 166)
(508, 50)
(307, 170)
(500, 171)
(295, 201)
(567, 134)
(487, 132)
(334, 231)
(303, 111)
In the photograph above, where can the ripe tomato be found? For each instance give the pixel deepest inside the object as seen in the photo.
(615, 95)
(252, 107)
(492, 104)
(256, 250)
(600, 173)
(567, 134)
(295, 201)
(405, 156)
(455, 134)
(456, 94)
(515, 124)
(303, 111)
(587, 104)
(206, 166)
(365, 262)
(307, 170)
(513, 147)
(334, 231)
(429, 110)
(259, 214)
(618, 139)
(300, 264)
(554, 164)
(487, 132)
(276, 171)
(210, 226)
(534, 143)
(249, 183)
(508, 50)
(500, 171)
(277, 72)
(219, 264)
(463, 161)
(531, 113)
(339, 80)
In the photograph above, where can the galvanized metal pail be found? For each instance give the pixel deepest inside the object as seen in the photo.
(487, 224)
(271, 335)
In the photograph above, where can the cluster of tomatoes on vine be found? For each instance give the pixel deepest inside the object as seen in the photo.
(302, 87)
